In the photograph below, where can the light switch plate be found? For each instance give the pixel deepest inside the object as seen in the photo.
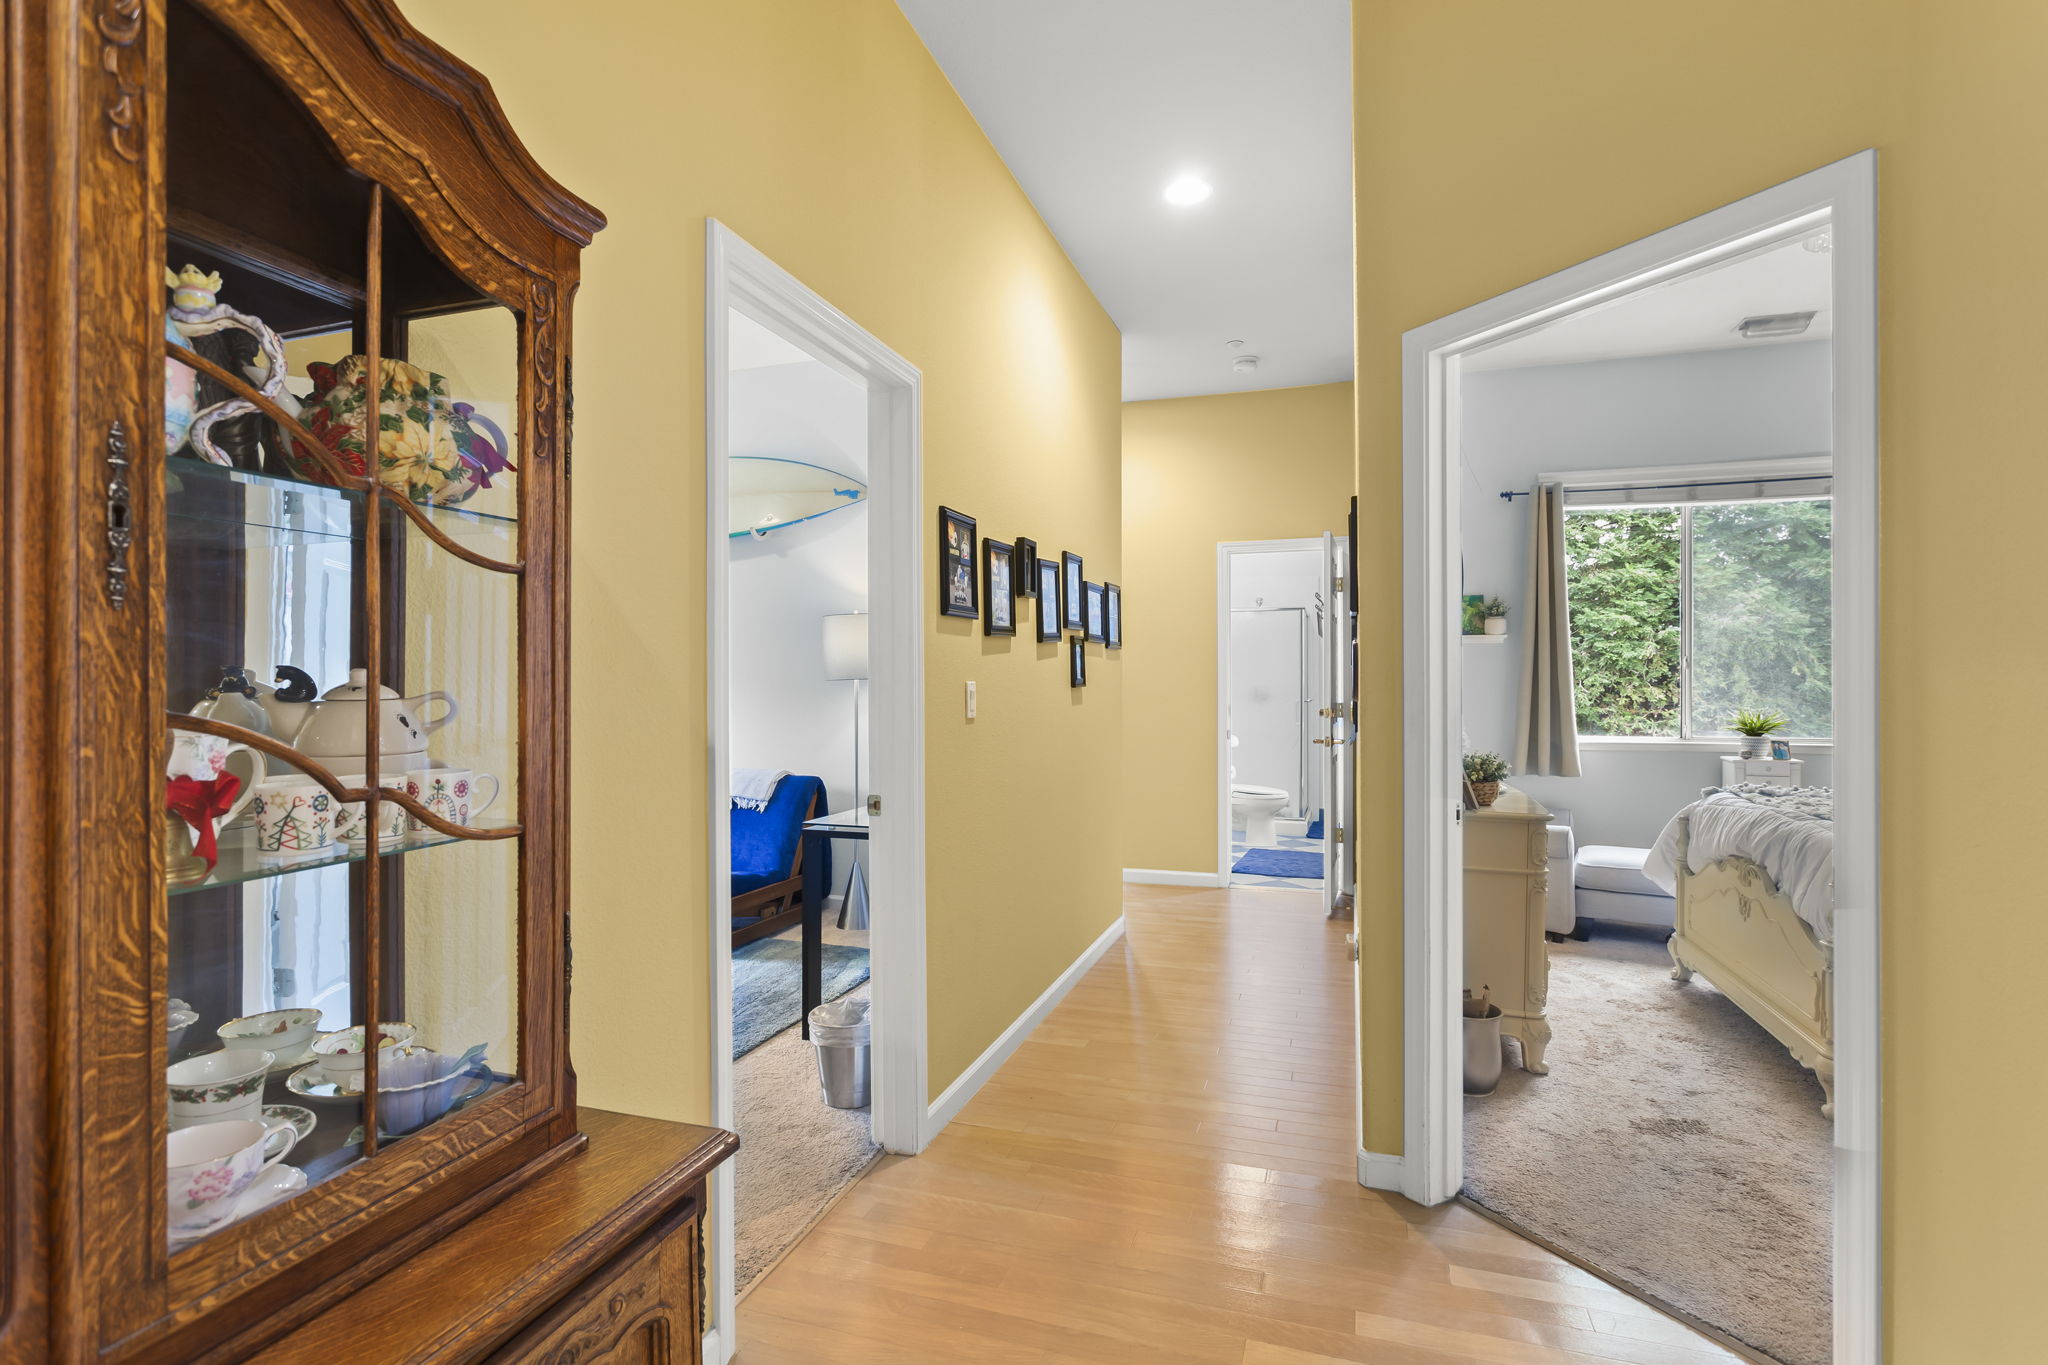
(970, 701)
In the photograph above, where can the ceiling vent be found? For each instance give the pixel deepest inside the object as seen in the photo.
(1245, 364)
(1775, 325)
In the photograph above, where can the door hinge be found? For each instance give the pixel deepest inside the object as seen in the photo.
(874, 805)
(1337, 584)
(1338, 835)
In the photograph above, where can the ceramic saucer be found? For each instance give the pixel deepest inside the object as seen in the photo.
(273, 1186)
(313, 1083)
(299, 1118)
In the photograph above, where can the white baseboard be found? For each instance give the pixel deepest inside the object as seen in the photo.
(1378, 1171)
(714, 1349)
(971, 1080)
(1157, 876)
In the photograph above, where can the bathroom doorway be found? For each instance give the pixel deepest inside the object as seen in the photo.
(1278, 627)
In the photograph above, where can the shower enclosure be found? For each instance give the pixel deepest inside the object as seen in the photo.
(1275, 689)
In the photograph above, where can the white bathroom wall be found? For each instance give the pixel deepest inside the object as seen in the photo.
(1262, 582)
(1614, 414)
(785, 713)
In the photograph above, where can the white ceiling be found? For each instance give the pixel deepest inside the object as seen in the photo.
(1096, 104)
(1698, 312)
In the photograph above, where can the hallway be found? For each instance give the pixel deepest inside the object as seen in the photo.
(1165, 1175)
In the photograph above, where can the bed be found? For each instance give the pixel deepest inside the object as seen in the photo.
(1752, 868)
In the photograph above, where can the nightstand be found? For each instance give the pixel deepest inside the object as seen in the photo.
(1778, 772)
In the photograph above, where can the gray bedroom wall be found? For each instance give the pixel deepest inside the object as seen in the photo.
(1694, 408)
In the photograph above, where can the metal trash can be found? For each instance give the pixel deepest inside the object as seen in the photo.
(842, 1035)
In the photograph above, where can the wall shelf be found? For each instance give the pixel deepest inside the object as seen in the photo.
(1486, 639)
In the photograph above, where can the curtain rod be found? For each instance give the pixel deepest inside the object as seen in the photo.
(1509, 497)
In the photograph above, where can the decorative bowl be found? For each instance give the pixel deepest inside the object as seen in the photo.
(284, 1032)
(341, 1052)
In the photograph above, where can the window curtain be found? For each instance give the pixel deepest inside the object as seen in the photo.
(1546, 721)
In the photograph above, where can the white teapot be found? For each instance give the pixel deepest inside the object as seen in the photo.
(337, 725)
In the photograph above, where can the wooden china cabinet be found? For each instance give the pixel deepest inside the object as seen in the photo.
(283, 833)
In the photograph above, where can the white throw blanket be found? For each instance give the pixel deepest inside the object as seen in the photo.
(1788, 838)
(752, 788)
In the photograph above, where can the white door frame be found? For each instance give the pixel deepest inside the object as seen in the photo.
(739, 277)
(1225, 551)
(1842, 197)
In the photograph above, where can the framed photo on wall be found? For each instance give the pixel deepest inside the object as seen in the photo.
(1027, 566)
(999, 577)
(1073, 611)
(1113, 616)
(957, 595)
(1077, 663)
(1048, 600)
(1097, 624)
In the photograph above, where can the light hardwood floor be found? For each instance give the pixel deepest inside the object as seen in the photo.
(1165, 1174)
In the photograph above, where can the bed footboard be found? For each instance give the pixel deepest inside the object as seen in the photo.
(1740, 932)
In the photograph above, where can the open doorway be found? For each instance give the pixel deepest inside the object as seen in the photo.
(816, 772)
(1690, 1011)
(1282, 699)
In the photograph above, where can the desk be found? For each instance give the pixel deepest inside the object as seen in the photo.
(844, 824)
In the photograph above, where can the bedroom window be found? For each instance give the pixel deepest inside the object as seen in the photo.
(1681, 615)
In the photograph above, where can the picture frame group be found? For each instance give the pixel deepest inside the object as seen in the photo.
(980, 576)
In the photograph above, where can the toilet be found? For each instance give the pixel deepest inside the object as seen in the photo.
(1254, 809)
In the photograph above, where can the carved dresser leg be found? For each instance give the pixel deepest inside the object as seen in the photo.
(1679, 971)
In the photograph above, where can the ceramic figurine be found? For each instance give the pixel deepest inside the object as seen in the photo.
(196, 311)
(430, 448)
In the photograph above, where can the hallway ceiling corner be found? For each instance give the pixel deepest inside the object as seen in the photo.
(1096, 108)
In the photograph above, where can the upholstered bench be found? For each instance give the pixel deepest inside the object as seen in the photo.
(1609, 885)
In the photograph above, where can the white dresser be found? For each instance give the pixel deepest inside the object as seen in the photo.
(1778, 772)
(1507, 882)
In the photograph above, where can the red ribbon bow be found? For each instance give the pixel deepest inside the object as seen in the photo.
(199, 804)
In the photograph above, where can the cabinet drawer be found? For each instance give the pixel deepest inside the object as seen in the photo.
(641, 1309)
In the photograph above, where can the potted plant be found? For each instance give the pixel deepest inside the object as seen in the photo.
(1756, 729)
(1495, 614)
(1484, 773)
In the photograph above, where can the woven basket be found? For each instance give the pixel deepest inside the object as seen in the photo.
(1486, 793)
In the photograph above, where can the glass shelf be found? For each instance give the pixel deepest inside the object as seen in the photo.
(240, 862)
(288, 511)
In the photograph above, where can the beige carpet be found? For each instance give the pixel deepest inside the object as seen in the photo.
(1674, 1145)
(796, 1152)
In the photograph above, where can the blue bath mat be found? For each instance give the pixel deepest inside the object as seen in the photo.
(768, 986)
(1280, 862)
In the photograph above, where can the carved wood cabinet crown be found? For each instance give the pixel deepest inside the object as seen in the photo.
(285, 827)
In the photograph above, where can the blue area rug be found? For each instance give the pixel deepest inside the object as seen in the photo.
(1280, 862)
(768, 986)
(1315, 828)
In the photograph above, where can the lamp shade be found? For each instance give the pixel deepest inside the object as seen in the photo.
(846, 646)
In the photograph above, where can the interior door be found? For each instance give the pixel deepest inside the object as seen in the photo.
(1336, 721)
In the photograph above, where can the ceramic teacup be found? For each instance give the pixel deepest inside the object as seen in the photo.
(457, 795)
(351, 818)
(286, 1033)
(216, 1086)
(212, 1164)
(292, 815)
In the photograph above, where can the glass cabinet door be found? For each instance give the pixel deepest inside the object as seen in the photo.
(341, 660)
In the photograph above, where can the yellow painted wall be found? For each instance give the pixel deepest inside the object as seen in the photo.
(1498, 141)
(823, 133)
(1269, 465)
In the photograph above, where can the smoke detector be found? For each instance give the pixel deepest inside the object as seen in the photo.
(1245, 364)
(1775, 325)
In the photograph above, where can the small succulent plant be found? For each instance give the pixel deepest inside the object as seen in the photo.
(1485, 767)
(1494, 607)
(1757, 723)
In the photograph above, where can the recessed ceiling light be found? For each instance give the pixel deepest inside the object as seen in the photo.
(1188, 189)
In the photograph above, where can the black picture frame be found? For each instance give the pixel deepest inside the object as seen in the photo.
(1113, 616)
(1073, 611)
(1048, 601)
(1077, 662)
(1027, 557)
(1094, 629)
(959, 588)
(999, 578)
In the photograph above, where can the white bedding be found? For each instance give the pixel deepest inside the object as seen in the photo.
(1798, 851)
